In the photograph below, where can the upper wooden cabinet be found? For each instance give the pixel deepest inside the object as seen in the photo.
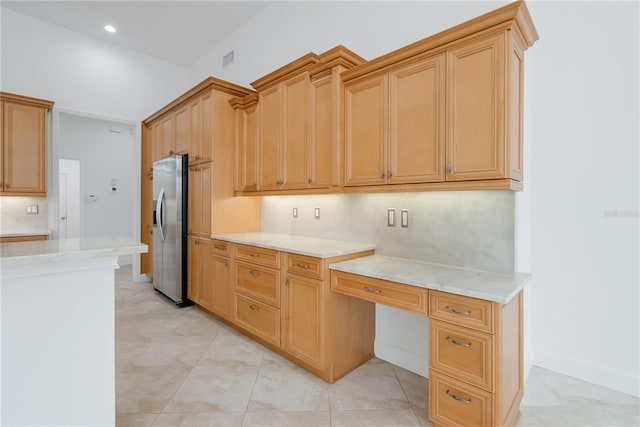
(446, 111)
(200, 123)
(395, 125)
(299, 126)
(23, 145)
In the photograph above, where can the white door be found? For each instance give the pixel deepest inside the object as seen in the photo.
(69, 199)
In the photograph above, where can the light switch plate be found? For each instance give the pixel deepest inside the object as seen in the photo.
(316, 213)
(404, 218)
(391, 217)
(295, 212)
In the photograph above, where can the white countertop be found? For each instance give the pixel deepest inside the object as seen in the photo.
(495, 287)
(310, 246)
(20, 233)
(47, 251)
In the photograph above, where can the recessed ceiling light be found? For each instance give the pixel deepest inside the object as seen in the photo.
(110, 28)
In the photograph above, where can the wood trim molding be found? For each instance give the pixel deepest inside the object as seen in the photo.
(301, 64)
(6, 96)
(206, 84)
(244, 102)
(514, 12)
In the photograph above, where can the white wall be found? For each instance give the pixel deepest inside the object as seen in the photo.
(582, 165)
(584, 100)
(103, 156)
(81, 73)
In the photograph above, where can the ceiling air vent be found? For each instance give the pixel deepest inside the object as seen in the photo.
(227, 59)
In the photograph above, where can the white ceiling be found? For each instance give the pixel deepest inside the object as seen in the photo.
(176, 31)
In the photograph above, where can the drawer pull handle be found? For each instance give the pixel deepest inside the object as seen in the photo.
(254, 273)
(254, 308)
(456, 311)
(456, 342)
(373, 291)
(220, 247)
(301, 265)
(253, 254)
(458, 398)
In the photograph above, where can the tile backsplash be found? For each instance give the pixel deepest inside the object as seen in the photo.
(14, 219)
(473, 229)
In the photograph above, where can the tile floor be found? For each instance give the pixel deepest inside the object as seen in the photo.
(182, 367)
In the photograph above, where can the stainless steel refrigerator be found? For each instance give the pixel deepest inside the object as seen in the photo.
(170, 232)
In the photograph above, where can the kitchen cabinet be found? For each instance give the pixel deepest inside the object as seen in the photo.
(200, 177)
(182, 123)
(202, 119)
(23, 145)
(246, 143)
(146, 223)
(444, 112)
(284, 300)
(199, 289)
(326, 152)
(475, 360)
(221, 280)
(484, 112)
(13, 239)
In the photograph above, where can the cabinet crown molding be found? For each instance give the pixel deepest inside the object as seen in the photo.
(6, 96)
(207, 84)
(514, 14)
(244, 102)
(304, 63)
(337, 56)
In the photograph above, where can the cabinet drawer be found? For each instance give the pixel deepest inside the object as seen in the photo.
(464, 311)
(221, 248)
(305, 266)
(462, 353)
(454, 403)
(258, 318)
(258, 282)
(266, 257)
(398, 295)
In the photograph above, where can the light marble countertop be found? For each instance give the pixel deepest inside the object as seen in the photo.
(48, 251)
(495, 287)
(310, 246)
(20, 233)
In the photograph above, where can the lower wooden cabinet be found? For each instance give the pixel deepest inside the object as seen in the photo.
(455, 403)
(199, 289)
(221, 290)
(262, 320)
(302, 319)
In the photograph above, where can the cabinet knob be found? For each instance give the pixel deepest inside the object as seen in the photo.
(197, 157)
(171, 152)
(448, 169)
(381, 174)
(226, 263)
(389, 174)
(308, 180)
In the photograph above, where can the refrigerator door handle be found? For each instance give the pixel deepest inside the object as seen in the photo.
(159, 213)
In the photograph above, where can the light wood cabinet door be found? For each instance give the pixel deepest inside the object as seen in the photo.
(168, 136)
(194, 282)
(200, 199)
(324, 154)
(475, 112)
(146, 223)
(366, 132)
(182, 121)
(205, 150)
(221, 284)
(156, 144)
(303, 319)
(269, 139)
(147, 150)
(195, 143)
(24, 149)
(294, 136)
(416, 121)
(247, 148)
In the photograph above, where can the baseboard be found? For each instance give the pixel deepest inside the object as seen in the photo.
(415, 363)
(603, 376)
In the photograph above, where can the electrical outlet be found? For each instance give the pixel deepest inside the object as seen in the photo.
(316, 213)
(391, 217)
(404, 218)
(295, 212)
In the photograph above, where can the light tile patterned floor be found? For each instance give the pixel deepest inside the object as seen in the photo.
(182, 367)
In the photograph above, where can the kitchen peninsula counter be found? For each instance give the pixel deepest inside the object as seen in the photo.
(500, 288)
(57, 303)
